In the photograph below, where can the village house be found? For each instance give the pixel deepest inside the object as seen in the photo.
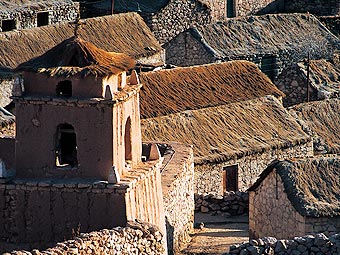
(23, 14)
(264, 40)
(108, 33)
(322, 76)
(167, 18)
(321, 121)
(295, 198)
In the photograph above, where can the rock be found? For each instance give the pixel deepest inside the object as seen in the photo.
(204, 209)
(280, 246)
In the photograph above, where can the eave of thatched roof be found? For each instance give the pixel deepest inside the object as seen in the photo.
(228, 131)
(12, 6)
(123, 33)
(265, 34)
(76, 56)
(312, 197)
(188, 88)
(321, 120)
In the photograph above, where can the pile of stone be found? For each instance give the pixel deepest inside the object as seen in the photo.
(317, 244)
(232, 203)
(138, 238)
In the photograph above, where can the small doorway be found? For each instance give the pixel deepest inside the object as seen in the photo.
(230, 178)
(7, 25)
(268, 66)
(42, 19)
(127, 140)
(66, 146)
(230, 9)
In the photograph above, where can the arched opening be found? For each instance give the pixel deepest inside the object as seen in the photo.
(64, 88)
(127, 140)
(66, 146)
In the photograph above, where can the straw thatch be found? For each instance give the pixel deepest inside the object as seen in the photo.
(7, 123)
(189, 88)
(228, 131)
(321, 119)
(265, 34)
(12, 6)
(76, 56)
(122, 33)
(311, 197)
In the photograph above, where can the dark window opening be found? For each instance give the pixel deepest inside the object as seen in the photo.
(64, 89)
(8, 25)
(268, 66)
(230, 9)
(42, 19)
(230, 178)
(127, 140)
(66, 146)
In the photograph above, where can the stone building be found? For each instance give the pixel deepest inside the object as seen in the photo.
(322, 76)
(22, 14)
(167, 18)
(295, 198)
(78, 149)
(125, 33)
(319, 7)
(264, 40)
(321, 121)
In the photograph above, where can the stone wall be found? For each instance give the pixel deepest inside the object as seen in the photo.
(208, 177)
(310, 244)
(6, 86)
(57, 13)
(178, 195)
(177, 16)
(328, 226)
(317, 7)
(253, 7)
(7, 151)
(231, 203)
(38, 213)
(269, 207)
(137, 238)
(332, 23)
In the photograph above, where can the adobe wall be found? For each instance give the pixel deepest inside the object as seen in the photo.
(57, 13)
(177, 16)
(110, 241)
(269, 207)
(178, 194)
(317, 7)
(208, 177)
(38, 213)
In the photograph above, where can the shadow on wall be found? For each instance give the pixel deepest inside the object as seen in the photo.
(170, 236)
(277, 6)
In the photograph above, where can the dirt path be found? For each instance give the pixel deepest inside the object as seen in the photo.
(218, 234)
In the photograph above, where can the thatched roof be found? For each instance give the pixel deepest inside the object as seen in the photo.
(76, 56)
(7, 123)
(312, 185)
(321, 120)
(189, 88)
(272, 33)
(228, 131)
(11, 6)
(123, 33)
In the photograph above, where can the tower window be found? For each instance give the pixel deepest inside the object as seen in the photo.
(7, 25)
(42, 19)
(66, 146)
(64, 89)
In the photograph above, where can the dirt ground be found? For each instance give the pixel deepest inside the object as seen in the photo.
(218, 234)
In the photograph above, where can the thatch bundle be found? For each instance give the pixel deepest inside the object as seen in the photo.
(313, 197)
(11, 6)
(266, 34)
(228, 131)
(188, 88)
(76, 56)
(322, 121)
(123, 33)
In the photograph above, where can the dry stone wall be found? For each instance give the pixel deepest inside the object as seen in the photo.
(317, 7)
(252, 7)
(137, 238)
(318, 244)
(208, 177)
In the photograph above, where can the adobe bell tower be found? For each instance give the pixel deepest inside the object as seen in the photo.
(77, 116)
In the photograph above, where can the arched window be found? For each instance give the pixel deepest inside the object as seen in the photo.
(66, 146)
(127, 140)
(64, 88)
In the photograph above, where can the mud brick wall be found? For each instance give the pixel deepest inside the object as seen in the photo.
(209, 177)
(178, 194)
(137, 238)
